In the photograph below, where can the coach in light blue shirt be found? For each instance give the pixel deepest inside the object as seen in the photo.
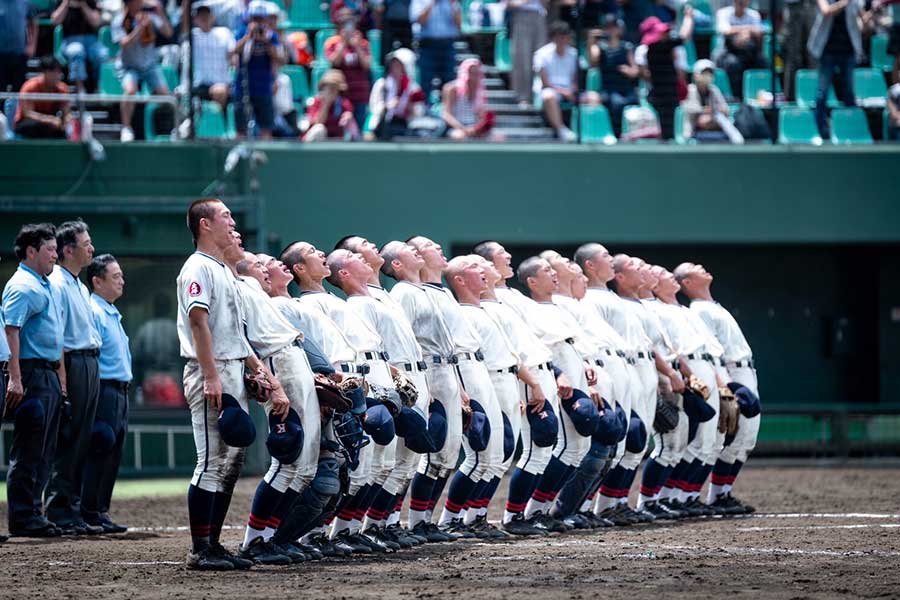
(80, 378)
(436, 26)
(33, 331)
(105, 278)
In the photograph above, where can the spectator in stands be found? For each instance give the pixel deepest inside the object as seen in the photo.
(212, 48)
(258, 52)
(662, 59)
(618, 71)
(360, 8)
(44, 118)
(284, 109)
(798, 20)
(740, 32)
(556, 83)
(135, 30)
(348, 51)
(836, 41)
(438, 24)
(396, 98)
(18, 40)
(465, 104)
(330, 114)
(634, 12)
(893, 104)
(705, 110)
(80, 20)
(396, 31)
(528, 32)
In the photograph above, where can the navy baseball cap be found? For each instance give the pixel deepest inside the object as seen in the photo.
(621, 423)
(609, 431)
(437, 425)
(479, 433)
(379, 424)
(509, 442)
(285, 439)
(696, 408)
(636, 440)
(412, 426)
(357, 400)
(748, 402)
(235, 425)
(103, 438)
(544, 425)
(582, 411)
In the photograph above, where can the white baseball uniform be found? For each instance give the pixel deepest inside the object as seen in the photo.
(206, 283)
(279, 345)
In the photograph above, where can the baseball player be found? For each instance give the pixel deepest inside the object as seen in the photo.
(33, 326)
(404, 263)
(107, 282)
(210, 325)
(571, 353)
(311, 268)
(739, 367)
(79, 378)
(279, 346)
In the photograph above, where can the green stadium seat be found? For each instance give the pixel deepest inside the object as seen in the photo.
(850, 126)
(797, 126)
(299, 82)
(595, 125)
(376, 73)
(502, 59)
(594, 80)
(109, 83)
(869, 87)
(704, 7)
(691, 50)
(210, 123)
(880, 58)
(626, 129)
(319, 69)
(105, 36)
(374, 37)
(150, 134)
(321, 37)
(679, 128)
(756, 80)
(57, 44)
(723, 83)
(308, 14)
(806, 84)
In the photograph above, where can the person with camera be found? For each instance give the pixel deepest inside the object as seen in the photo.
(438, 27)
(135, 31)
(740, 42)
(348, 51)
(330, 114)
(80, 20)
(258, 53)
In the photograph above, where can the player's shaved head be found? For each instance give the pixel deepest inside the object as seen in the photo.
(682, 271)
(621, 262)
(335, 262)
(587, 252)
(293, 254)
(549, 255)
(456, 266)
(486, 249)
(390, 253)
(204, 208)
(349, 242)
(529, 268)
(243, 266)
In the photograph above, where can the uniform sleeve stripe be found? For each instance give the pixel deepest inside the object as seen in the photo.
(203, 305)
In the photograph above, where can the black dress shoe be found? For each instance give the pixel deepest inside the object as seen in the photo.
(42, 531)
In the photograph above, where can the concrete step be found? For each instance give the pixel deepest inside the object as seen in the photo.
(520, 134)
(513, 109)
(502, 97)
(520, 121)
(494, 83)
(461, 56)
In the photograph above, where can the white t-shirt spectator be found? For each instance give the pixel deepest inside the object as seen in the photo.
(726, 19)
(211, 49)
(560, 69)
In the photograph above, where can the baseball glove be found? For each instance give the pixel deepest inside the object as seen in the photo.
(728, 412)
(257, 385)
(698, 386)
(666, 418)
(349, 385)
(331, 395)
(388, 397)
(406, 389)
(466, 418)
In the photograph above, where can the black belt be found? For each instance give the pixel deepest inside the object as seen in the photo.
(675, 365)
(598, 362)
(738, 364)
(433, 42)
(3, 365)
(440, 360)
(701, 356)
(569, 340)
(121, 386)
(477, 355)
(85, 352)
(514, 370)
(419, 365)
(39, 363)
(376, 356)
(348, 368)
(644, 354)
(547, 366)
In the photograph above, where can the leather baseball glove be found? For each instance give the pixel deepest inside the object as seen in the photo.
(728, 411)
(406, 389)
(349, 385)
(330, 394)
(698, 386)
(386, 396)
(666, 418)
(257, 385)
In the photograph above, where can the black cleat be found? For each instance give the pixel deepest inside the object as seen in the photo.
(311, 552)
(374, 544)
(457, 527)
(389, 539)
(262, 552)
(519, 526)
(577, 521)
(239, 564)
(430, 533)
(547, 523)
(401, 533)
(206, 560)
(296, 555)
(746, 508)
(615, 516)
(329, 548)
(677, 513)
(351, 541)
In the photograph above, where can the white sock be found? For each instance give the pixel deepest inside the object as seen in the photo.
(251, 534)
(394, 518)
(355, 526)
(416, 516)
(534, 506)
(714, 492)
(470, 515)
(604, 503)
(446, 517)
(585, 506)
(338, 526)
(509, 516)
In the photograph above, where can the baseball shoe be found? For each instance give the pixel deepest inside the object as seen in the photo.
(697, 506)
(296, 555)
(657, 510)
(311, 552)
(353, 542)
(726, 503)
(108, 526)
(547, 523)
(456, 526)
(401, 533)
(747, 508)
(3, 539)
(577, 521)
(374, 543)
(430, 532)
(645, 516)
(683, 507)
(614, 516)
(478, 528)
(78, 527)
(219, 551)
(206, 560)
(488, 530)
(595, 521)
(262, 552)
(391, 539)
(519, 526)
(677, 513)
(330, 548)
(41, 529)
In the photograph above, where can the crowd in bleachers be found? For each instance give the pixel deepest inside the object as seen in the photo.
(387, 69)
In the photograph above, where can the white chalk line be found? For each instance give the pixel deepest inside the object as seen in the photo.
(815, 527)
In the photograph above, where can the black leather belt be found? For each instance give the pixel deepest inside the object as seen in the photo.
(569, 340)
(376, 356)
(477, 355)
(419, 365)
(643, 355)
(701, 356)
(440, 360)
(738, 364)
(547, 366)
(121, 386)
(351, 368)
(39, 363)
(514, 370)
(598, 362)
(3, 365)
(84, 352)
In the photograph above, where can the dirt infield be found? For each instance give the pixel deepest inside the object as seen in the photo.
(820, 533)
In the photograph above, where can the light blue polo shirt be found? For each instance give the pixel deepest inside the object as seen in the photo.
(4, 347)
(79, 332)
(31, 304)
(115, 356)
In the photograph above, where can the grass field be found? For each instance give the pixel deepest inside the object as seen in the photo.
(137, 488)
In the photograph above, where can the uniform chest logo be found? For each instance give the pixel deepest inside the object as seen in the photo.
(194, 290)
(280, 428)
